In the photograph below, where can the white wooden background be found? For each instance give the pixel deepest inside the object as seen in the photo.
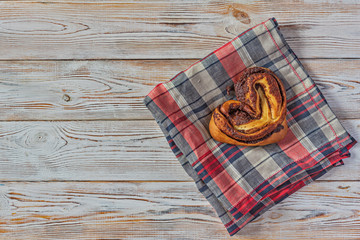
(82, 158)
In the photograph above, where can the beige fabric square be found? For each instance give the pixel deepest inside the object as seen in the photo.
(204, 84)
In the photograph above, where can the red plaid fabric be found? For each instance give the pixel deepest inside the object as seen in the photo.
(241, 183)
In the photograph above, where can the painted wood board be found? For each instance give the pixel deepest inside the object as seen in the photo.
(103, 90)
(106, 150)
(167, 210)
(168, 30)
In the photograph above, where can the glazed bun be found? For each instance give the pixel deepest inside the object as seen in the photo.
(258, 116)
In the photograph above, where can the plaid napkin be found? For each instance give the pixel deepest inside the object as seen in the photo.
(242, 183)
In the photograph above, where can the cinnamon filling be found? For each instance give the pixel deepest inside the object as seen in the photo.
(259, 110)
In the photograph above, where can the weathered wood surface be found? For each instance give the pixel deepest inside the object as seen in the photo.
(106, 150)
(153, 210)
(170, 29)
(101, 178)
(93, 90)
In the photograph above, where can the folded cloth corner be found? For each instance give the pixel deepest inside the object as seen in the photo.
(241, 183)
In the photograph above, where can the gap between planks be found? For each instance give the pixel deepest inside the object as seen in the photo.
(174, 29)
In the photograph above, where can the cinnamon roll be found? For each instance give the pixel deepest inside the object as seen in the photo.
(257, 117)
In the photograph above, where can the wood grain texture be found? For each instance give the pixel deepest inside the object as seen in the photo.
(170, 29)
(101, 178)
(93, 90)
(166, 210)
(106, 150)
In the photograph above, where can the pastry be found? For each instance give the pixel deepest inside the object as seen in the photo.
(258, 116)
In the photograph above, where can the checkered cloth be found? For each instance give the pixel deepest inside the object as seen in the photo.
(242, 183)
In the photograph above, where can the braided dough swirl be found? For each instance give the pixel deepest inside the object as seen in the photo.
(257, 117)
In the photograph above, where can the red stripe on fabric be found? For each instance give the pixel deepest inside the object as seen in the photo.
(197, 143)
(153, 92)
(351, 145)
(158, 91)
(304, 163)
(338, 142)
(308, 163)
(223, 180)
(215, 159)
(259, 190)
(333, 159)
(175, 112)
(216, 169)
(299, 94)
(228, 56)
(274, 197)
(312, 106)
(192, 135)
(292, 188)
(205, 155)
(304, 103)
(301, 82)
(228, 158)
(181, 120)
(200, 158)
(246, 205)
(296, 150)
(206, 162)
(289, 190)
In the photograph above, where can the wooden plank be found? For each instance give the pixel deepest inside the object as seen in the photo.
(93, 90)
(106, 150)
(175, 29)
(84, 210)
